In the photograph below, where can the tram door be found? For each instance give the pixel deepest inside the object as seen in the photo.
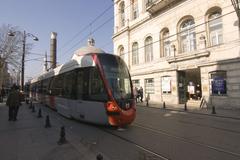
(182, 87)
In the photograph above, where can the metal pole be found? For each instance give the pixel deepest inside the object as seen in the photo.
(23, 59)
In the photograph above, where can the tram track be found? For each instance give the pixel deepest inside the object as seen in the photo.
(187, 140)
(137, 145)
(153, 153)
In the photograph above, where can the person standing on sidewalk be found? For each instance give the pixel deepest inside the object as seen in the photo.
(141, 94)
(13, 102)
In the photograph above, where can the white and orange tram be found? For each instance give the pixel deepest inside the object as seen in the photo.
(93, 86)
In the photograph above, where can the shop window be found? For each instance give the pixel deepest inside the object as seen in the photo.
(218, 83)
(166, 84)
(149, 86)
(136, 83)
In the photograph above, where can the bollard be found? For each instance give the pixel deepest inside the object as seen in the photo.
(213, 110)
(31, 104)
(47, 124)
(164, 105)
(62, 139)
(33, 108)
(185, 107)
(39, 113)
(99, 157)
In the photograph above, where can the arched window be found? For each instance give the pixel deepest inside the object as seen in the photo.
(215, 28)
(187, 36)
(166, 43)
(122, 14)
(121, 52)
(134, 9)
(148, 49)
(135, 56)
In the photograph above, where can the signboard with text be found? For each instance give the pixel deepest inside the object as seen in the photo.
(166, 84)
(219, 86)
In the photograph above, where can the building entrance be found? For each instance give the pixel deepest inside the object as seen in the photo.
(189, 85)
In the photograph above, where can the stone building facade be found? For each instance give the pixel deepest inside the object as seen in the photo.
(181, 51)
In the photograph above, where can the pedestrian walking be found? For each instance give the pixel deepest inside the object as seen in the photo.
(2, 94)
(13, 102)
(135, 93)
(141, 94)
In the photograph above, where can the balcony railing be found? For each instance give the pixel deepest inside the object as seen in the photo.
(153, 6)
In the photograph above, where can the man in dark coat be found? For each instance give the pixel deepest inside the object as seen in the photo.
(13, 102)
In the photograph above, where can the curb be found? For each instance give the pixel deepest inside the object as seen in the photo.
(191, 112)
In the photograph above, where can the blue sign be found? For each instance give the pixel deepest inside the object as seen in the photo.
(219, 86)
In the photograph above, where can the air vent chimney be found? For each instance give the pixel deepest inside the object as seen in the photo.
(53, 50)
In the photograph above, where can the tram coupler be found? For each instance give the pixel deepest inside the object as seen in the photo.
(39, 113)
(99, 157)
(47, 124)
(213, 110)
(62, 139)
(185, 107)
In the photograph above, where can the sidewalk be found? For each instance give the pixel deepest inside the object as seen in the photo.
(224, 113)
(28, 139)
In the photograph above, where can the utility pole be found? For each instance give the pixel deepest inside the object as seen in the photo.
(23, 59)
(24, 51)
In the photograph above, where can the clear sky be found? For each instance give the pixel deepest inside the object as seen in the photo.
(71, 20)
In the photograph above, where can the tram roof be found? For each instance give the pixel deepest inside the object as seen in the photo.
(86, 50)
(79, 59)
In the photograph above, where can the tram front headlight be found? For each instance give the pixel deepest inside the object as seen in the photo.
(112, 107)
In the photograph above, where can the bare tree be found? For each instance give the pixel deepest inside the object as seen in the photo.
(10, 51)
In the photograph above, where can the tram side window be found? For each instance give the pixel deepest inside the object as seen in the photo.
(45, 85)
(79, 86)
(39, 87)
(69, 85)
(96, 88)
(57, 86)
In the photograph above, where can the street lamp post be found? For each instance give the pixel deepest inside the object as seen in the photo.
(25, 35)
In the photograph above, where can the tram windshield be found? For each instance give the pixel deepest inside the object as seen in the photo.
(117, 75)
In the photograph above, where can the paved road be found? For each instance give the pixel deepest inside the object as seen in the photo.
(156, 134)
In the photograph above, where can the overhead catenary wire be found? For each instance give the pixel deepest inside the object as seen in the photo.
(87, 26)
(94, 30)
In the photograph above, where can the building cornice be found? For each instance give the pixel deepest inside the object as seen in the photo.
(153, 71)
(185, 57)
(131, 27)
